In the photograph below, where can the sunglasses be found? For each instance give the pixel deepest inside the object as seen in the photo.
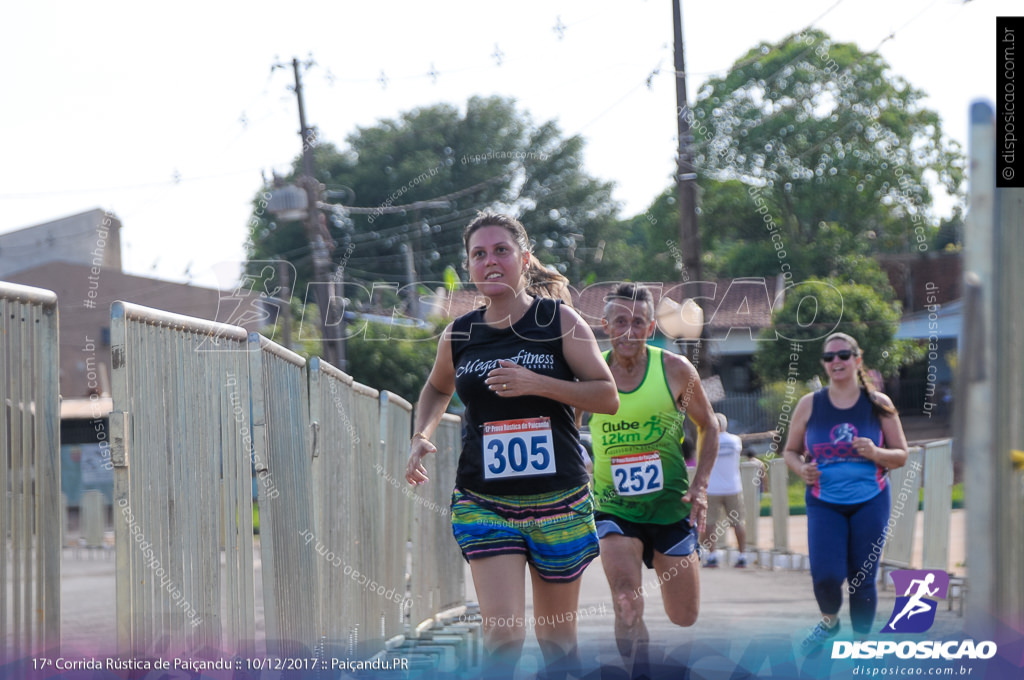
(843, 354)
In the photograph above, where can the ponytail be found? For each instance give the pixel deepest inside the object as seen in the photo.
(545, 283)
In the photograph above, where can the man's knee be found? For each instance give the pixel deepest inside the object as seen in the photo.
(629, 606)
(680, 589)
(684, 616)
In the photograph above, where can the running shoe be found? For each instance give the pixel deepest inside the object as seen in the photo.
(741, 562)
(819, 635)
(712, 562)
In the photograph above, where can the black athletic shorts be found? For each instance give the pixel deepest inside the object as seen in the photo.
(676, 540)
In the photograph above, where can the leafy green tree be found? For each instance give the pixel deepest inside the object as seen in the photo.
(491, 156)
(391, 357)
(384, 356)
(837, 147)
(627, 253)
(950, 234)
(814, 309)
(304, 328)
(647, 246)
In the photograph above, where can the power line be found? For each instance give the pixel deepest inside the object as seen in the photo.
(383, 209)
(126, 187)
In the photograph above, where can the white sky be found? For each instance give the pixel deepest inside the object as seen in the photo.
(105, 107)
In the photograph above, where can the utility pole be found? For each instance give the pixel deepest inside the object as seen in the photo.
(686, 183)
(286, 308)
(320, 241)
(414, 246)
(686, 176)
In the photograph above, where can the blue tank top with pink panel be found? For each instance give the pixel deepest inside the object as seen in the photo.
(846, 476)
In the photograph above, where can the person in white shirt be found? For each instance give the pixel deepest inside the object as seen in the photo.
(725, 495)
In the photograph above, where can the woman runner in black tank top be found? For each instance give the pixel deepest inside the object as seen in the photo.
(520, 366)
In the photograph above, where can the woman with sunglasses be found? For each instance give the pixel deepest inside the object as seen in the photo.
(843, 439)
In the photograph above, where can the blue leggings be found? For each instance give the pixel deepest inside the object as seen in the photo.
(845, 544)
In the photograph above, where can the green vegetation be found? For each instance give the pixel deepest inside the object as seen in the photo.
(812, 159)
(395, 358)
(489, 155)
(814, 309)
(837, 147)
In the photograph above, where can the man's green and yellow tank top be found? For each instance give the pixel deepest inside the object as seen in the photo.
(639, 471)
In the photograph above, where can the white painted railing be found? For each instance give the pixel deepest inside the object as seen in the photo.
(280, 425)
(30, 520)
(438, 571)
(180, 445)
(904, 487)
(194, 403)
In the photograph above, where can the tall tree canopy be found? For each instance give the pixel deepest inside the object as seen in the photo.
(490, 156)
(838, 149)
(813, 310)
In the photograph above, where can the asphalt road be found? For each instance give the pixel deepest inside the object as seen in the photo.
(739, 607)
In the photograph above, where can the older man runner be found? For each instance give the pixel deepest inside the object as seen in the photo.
(648, 511)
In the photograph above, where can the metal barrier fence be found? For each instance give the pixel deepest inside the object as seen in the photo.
(335, 438)
(360, 440)
(364, 509)
(938, 503)
(752, 476)
(198, 407)
(280, 426)
(437, 576)
(746, 414)
(396, 509)
(904, 484)
(778, 480)
(180, 446)
(30, 523)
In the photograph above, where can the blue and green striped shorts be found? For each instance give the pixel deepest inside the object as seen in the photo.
(555, 531)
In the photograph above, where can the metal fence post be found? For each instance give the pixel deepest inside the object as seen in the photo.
(396, 427)
(30, 523)
(904, 484)
(752, 474)
(938, 503)
(988, 423)
(779, 479)
(438, 576)
(368, 636)
(176, 427)
(290, 573)
(335, 435)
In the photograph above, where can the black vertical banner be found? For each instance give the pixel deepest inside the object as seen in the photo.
(1009, 126)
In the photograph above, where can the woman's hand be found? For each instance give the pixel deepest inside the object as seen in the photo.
(510, 379)
(865, 448)
(415, 473)
(810, 473)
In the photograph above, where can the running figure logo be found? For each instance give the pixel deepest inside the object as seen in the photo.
(914, 612)
(843, 433)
